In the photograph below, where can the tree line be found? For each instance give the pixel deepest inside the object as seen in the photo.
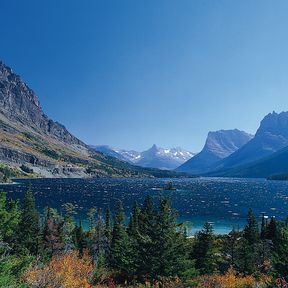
(151, 247)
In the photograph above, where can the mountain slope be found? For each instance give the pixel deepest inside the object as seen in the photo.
(275, 164)
(219, 145)
(28, 136)
(129, 156)
(271, 137)
(107, 150)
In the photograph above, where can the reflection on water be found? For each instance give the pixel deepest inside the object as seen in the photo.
(222, 201)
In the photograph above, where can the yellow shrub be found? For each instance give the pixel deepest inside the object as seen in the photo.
(65, 271)
(232, 280)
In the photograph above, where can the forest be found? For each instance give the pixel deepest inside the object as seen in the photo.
(150, 248)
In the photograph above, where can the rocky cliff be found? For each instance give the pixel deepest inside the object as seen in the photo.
(271, 136)
(219, 145)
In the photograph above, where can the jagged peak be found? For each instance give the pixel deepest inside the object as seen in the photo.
(274, 123)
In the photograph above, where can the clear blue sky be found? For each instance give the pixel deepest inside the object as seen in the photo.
(134, 73)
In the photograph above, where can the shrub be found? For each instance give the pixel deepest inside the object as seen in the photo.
(67, 271)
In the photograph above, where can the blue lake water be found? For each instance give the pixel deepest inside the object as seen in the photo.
(222, 201)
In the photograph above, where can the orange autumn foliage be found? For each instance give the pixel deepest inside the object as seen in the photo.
(232, 280)
(65, 271)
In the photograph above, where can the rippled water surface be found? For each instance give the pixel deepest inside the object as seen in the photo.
(219, 200)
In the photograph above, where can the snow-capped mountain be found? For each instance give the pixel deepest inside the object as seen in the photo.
(162, 158)
(155, 157)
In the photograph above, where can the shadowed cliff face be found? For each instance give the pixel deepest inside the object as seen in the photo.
(219, 144)
(271, 136)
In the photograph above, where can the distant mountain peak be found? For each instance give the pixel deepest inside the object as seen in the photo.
(276, 123)
(154, 157)
(154, 148)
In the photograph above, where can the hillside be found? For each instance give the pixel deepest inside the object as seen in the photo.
(274, 165)
(28, 137)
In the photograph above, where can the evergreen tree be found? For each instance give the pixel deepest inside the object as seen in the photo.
(121, 252)
(29, 226)
(146, 241)
(280, 255)
(231, 245)
(80, 238)
(68, 227)
(263, 227)
(52, 241)
(10, 218)
(133, 233)
(170, 247)
(251, 233)
(92, 218)
(108, 225)
(98, 243)
(248, 251)
(271, 229)
(133, 226)
(246, 257)
(204, 250)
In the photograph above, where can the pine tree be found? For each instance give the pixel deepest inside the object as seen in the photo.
(52, 241)
(133, 233)
(271, 229)
(133, 226)
(251, 233)
(108, 225)
(10, 218)
(29, 226)
(280, 255)
(203, 250)
(99, 243)
(68, 227)
(170, 247)
(146, 241)
(248, 254)
(92, 218)
(263, 227)
(230, 246)
(80, 239)
(121, 252)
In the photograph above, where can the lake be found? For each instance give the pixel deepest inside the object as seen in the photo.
(222, 201)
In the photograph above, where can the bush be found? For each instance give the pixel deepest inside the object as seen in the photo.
(67, 271)
(232, 279)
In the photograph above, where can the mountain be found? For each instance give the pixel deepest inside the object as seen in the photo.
(155, 157)
(33, 143)
(219, 145)
(271, 136)
(162, 158)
